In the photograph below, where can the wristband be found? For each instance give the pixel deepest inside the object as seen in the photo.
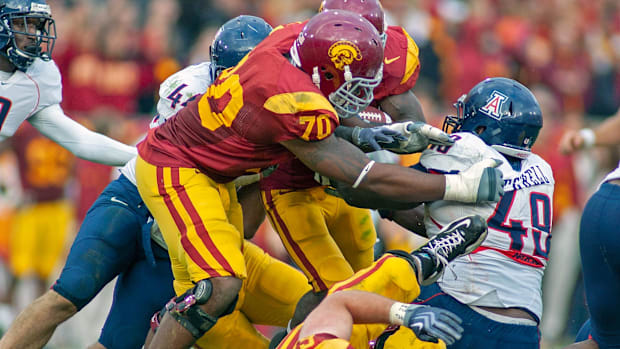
(363, 174)
(397, 313)
(589, 138)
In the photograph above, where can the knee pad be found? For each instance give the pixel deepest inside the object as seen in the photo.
(185, 309)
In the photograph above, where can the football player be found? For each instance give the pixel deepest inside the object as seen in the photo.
(496, 289)
(328, 239)
(398, 276)
(271, 106)
(115, 239)
(598, 241)
(30, 86)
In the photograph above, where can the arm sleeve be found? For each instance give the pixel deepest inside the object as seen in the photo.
(83, 143)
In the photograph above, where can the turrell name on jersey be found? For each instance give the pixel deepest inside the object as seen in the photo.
(529, 177)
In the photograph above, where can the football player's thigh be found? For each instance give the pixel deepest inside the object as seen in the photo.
(354, 231)
(56, 219)
(389, 276)
(298, 217)
(233, 331)
(272, 288)
(23, 241)
(192, 212)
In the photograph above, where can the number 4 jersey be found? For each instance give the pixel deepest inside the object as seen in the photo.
(507, 270)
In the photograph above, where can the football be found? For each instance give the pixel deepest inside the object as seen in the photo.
(376, 116)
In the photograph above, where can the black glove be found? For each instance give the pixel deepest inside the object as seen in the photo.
(428, 323)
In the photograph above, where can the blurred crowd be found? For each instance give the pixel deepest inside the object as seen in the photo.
(113, 54)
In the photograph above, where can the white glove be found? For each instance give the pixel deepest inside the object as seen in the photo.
(481, 182)
(417, 137)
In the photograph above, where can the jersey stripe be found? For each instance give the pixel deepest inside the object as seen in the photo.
(360, 276)
(199, 225)
(277, 219)
(176, 216)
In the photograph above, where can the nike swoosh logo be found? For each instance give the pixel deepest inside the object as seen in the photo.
(114, 199)
(388, 61)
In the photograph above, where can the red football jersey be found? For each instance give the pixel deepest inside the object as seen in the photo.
(236, 126)
(401, 68)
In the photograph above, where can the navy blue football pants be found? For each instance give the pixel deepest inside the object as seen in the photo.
(599, 242)
(114, 240)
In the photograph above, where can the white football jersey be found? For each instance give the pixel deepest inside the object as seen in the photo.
(615, 174)
(23, 94)
(174, 94)
(507, 269)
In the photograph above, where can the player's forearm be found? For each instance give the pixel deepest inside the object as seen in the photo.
(85, 144)
(403, 184)
(340, 160)
(339, 311)
(608, 133)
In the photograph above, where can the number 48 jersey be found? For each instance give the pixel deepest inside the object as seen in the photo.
(507, 269)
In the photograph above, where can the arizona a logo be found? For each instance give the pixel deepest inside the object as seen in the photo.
(344, 53)
(494, 105)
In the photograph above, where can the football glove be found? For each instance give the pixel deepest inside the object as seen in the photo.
(372, 139)
(428, 323)
(416, 136)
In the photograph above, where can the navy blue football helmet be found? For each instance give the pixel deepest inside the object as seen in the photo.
(30, 21)
(234, 40)
(502, 112)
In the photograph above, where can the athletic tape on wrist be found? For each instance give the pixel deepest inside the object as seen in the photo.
(397, 313)
(589, 138)
(363, 174)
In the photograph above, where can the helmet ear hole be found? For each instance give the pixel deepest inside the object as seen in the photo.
(480, 129)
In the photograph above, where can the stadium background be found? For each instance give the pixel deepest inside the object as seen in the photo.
(113, 55)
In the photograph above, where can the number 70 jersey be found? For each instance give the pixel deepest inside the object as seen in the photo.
(235, 127)
(507, 269)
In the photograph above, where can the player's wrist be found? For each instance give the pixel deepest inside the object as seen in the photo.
(588, 136)
(398, 312)
(455, 188)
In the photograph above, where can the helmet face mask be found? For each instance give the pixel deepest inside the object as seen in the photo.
(27, 31)
(502, 112)
(342, 53)
(234, 40)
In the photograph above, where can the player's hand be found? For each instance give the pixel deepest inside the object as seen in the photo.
(417, 136)
(372, 139)
(481, 182)
(253, 178)
(428, 323)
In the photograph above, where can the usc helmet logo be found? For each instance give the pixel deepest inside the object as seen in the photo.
(344, 53)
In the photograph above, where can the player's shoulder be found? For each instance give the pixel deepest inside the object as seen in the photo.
(43, 68)
(398, 38)
(48, 81)
(534, 160)
(195, 79)
(45, 72)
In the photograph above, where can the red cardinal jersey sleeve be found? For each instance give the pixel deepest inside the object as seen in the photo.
(401, 64)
